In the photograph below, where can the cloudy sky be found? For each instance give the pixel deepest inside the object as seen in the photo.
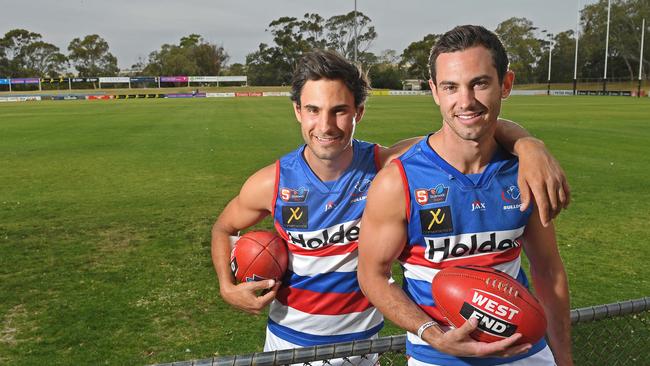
(134, 28)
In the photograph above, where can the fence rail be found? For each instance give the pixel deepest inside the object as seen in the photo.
(608, 334)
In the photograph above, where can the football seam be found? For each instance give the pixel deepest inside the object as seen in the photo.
(277, 265)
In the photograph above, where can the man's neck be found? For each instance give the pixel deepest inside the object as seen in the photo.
(467, 156)
(329, 169)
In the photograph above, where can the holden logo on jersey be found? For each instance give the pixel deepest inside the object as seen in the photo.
(295, 216)
(469, 245)
(344, 233)
(294, 195)
(432, 195)
(478, 205)
(511, 197)
(436, 220)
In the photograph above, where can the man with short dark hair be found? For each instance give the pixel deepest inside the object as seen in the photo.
(476, 200)
(316, 195)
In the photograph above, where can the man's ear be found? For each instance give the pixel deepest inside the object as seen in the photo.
(508, 82)
(296, 111)
(434, 91)
(361, 110)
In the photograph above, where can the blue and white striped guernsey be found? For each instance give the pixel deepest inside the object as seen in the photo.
(320, 300)
(456, 219)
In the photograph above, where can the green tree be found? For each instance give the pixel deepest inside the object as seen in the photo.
(24, 54)
(624, 38)
(292, 37)
(415, 57)
(235, 69)
(562, 59)
(192, 56)
(90, 56)
(524, 49)
(44, 60)
(341, 32)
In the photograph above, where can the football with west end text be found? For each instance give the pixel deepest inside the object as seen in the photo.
(502, 305)
(259, 255)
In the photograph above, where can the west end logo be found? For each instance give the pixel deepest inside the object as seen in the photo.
(436, 220)
(511, 197)
(295, 216)
(293, 195)
(437, 194)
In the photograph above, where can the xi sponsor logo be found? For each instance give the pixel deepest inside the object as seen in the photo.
(511, 197)
(436, 220)
(294, 195)
(295, 216)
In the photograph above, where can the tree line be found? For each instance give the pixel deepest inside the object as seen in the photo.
(26, 54)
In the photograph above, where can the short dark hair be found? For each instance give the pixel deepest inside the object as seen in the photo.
(463, 37)
(325, 64)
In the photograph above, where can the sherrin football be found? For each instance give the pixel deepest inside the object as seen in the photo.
(259, 255)
(502, 305)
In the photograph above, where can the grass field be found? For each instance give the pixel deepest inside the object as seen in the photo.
(106, 208)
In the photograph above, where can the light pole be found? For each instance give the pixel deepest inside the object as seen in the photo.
(606, 47)
(550, 56)
(638, 92)
(575, 61)
(355, 31)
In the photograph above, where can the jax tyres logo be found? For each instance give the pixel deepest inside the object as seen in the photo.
(436, 220)
(295, 216)
(345, 233)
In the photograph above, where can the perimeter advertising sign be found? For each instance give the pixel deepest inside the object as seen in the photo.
(4, 81)
(115, 79)
(204, 79)
(144, 79)
(174, 79)
(26, 81)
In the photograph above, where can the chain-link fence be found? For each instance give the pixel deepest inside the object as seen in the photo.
(610, 334)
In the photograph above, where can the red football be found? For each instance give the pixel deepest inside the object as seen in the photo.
(502, 305)
(259, 255)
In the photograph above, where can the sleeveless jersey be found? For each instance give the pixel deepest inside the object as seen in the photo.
(320, 301)
(456, 219)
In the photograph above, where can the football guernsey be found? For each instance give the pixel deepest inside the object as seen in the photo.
(320, 301)
(456, 219)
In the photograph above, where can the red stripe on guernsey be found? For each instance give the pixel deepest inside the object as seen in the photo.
(279, 229)
(433, 312)
(405, 182)
(323, 303)
(378, 164)
(415, 255)
(277, 185)
(324, 252)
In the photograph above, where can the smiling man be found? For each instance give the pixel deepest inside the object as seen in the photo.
(475, 181)
(316, 196)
